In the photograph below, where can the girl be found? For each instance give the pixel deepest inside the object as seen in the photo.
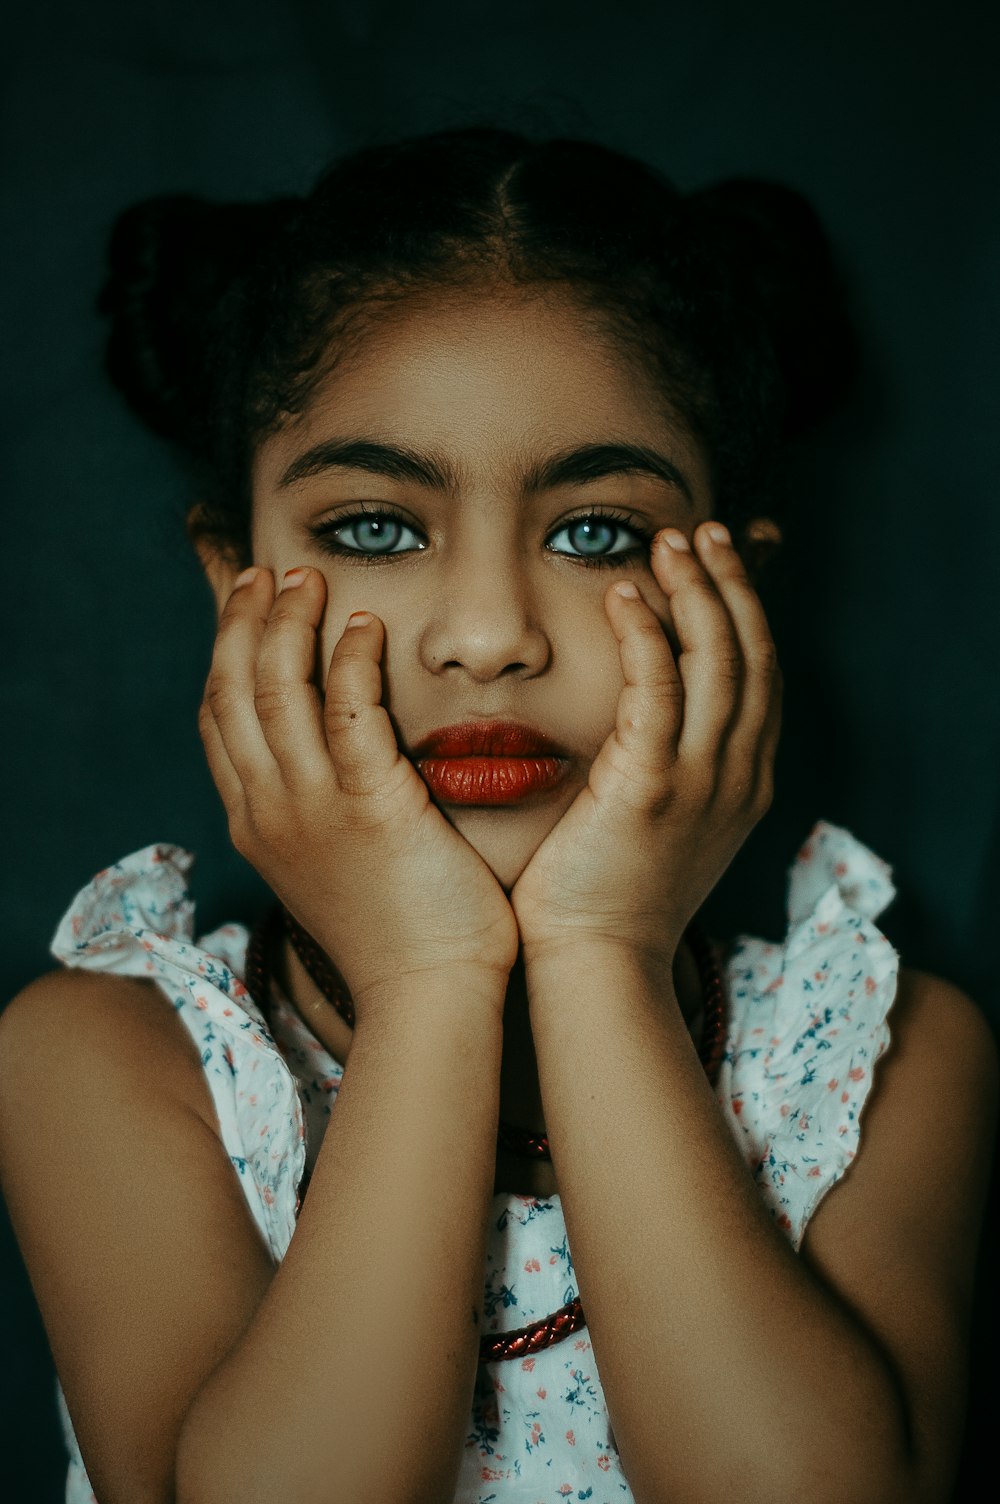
(482, 431)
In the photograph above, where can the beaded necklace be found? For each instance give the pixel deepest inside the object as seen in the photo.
(569, 1318)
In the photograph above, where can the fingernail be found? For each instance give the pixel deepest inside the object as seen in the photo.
(246, 578)
(292, 578)
(628, 590)
(359, 618)
(718, 532)
(676, 540)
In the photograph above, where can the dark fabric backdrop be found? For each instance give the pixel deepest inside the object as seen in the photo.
(884, 603)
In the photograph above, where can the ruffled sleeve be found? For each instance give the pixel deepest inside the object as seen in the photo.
(136, 919)
(808, 1024)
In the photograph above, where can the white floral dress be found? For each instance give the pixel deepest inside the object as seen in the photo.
(806, 1023)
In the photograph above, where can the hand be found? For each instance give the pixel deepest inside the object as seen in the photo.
(684, 776)
(323, 804)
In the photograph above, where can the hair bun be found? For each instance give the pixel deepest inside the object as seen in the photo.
(173, 264)
(781, 271)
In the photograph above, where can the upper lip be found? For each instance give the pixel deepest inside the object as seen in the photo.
(487, 739)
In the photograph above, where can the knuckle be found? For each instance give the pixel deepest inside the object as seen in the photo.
(648, 627)
(240, 831)
(662, 802)
(728, 665)
(705, 787)
(700, 590)
(271, 701)
(749, 791)
(657, 675)
(283, 620)
(661, 679)
(265, 820)
(653, 793)
(699, 787)
(220, 695)
(233, 614)
(764, 658)
(230, 612)
(360, 812)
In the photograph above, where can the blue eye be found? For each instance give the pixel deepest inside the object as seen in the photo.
(594, 538)
(370, 534)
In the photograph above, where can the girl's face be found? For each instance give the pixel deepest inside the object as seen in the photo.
(469, 423)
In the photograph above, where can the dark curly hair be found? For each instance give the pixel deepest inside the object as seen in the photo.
(224, 317)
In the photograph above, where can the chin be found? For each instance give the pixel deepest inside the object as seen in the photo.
(506, 839)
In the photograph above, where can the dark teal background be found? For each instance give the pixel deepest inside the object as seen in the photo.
(885, 602)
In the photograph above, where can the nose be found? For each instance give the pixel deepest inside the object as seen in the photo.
(484, 621)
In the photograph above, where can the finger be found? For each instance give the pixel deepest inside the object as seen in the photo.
(760, 662)
(358, 731)
(768, 746)
(286, 698)
(710, 662)
(224, 775)
(651, 702)
(229, 690)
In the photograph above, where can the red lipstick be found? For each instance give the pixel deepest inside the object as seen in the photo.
(488, 762)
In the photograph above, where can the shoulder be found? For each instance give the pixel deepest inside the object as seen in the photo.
(937, 1098)
(928, 1126)
(943, 1049)
(898, 1236)
(947, 1069)
(941, 1003)
(143, 1253)
(916, 1191)
(100, 1033)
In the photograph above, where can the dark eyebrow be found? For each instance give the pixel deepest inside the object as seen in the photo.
(594, 461)
(570, 467)
(390, 460)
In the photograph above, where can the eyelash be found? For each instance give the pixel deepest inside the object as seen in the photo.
(324, 532)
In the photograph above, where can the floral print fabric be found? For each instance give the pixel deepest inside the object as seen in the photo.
(806, 1024)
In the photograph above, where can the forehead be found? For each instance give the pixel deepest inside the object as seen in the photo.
(493, 380)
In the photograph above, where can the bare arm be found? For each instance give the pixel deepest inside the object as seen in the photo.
(363, 1352)
(731, 1366)
(826, 1377)
(192, 1371)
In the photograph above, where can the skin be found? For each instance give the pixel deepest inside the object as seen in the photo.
(487, 620)
(846, 1379)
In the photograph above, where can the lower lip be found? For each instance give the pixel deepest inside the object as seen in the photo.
(490, 780)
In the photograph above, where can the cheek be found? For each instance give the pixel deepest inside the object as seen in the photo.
(583, 681)
(593, 661)
(339, 605)
(400, 650)
(593, 678)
